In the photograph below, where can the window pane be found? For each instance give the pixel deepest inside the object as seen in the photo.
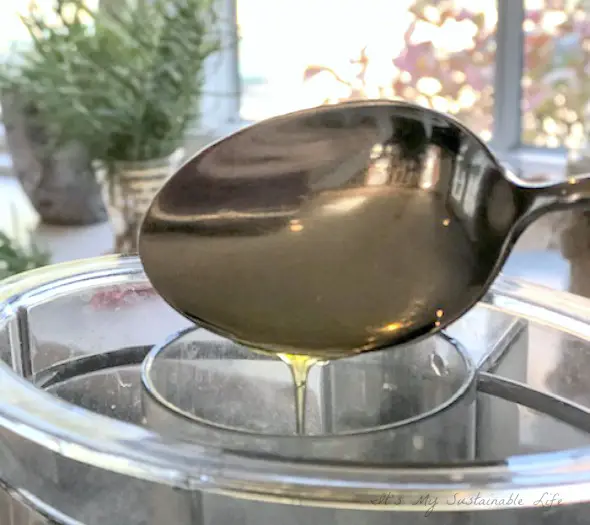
(12, 32)
(437, 53)
(556, 81)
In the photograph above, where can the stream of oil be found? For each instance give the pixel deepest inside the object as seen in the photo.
(300, 366)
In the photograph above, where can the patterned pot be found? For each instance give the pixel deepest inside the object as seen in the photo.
(129, 191)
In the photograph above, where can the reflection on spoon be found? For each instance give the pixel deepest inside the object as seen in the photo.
(341, 229)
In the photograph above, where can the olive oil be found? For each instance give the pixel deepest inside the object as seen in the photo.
(300, 366)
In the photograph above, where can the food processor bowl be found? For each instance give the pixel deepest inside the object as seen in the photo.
(115, 409)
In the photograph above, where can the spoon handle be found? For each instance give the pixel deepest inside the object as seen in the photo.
(539, 198)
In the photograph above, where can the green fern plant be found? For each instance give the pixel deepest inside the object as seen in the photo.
(126, 85)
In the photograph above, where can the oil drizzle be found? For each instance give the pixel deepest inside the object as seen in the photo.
(300, 366)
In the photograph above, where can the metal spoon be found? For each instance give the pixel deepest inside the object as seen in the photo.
(340, 229)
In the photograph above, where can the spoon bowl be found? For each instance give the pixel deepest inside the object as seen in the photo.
(340, 229)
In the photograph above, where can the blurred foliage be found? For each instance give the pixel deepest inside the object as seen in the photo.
(556, 83)
(123, 82)
(448, 59)
(446, 63)
(16, 258)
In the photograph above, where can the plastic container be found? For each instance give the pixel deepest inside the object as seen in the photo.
(116, 410)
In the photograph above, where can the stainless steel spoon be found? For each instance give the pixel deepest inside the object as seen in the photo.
(340, 229)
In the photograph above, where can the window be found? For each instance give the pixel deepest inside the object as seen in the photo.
(13, 35)
(12, 32)
(556, 77)
(515, 71)
(439, 54)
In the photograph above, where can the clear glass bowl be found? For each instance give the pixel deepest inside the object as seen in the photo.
(115, 409)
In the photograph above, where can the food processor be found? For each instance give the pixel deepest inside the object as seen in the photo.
(115, 409)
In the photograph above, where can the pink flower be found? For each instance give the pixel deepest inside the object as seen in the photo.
(417, 58)
(582, 28)
(532, 99)
(534, 16)
(463, 14)
(476, 76)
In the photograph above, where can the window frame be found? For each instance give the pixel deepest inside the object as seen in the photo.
(509, 71)
(506, 133)
(222, 92)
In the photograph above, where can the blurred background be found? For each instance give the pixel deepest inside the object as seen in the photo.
(95, 95)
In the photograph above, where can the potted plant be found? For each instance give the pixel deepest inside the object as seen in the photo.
(125, 89)
(58, 178)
